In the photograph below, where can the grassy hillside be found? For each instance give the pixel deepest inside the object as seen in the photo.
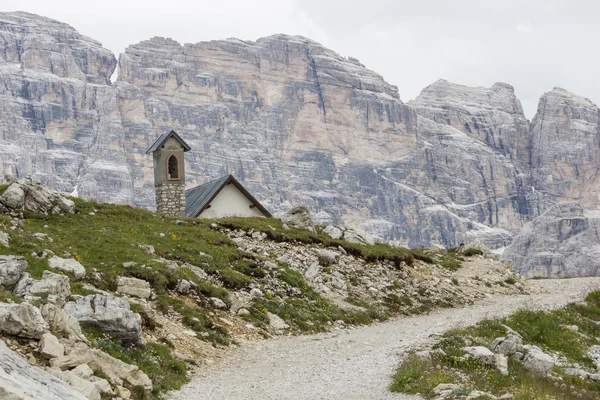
(567, 333)
(103, 237)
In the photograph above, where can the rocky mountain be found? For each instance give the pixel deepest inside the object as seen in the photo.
(564, 241)
(296, 123)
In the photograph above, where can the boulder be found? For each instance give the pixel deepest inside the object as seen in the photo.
(333, 232)
(83, 371)
(62, 323)
(108, 314)
(351, 236)
(298, 217)
(79, 354)
(83, 386)
(326, 257)
(501, 363)
(50, 283)
(50, 347)
(4, 239)
(183, 286)
(67, 265)
(23, 320)
(21, 381)
(480, 354)
(11, 270)
(134, 287)
(276, 322)
(13, 198)
(119, 372)
(218, 303)
(536, 361)
(27, 194)
(147, 248)
(507, 345)
(313, 271)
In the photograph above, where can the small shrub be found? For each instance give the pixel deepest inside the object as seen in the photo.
(470, 252)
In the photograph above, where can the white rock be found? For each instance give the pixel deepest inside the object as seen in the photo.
(134, 287)
(536, 361)
(83, 386)
(256, 292)
(334, 232)
(83, 371)
(480, 354)
(276, 322)
(501, 363)
(108, 314)
(326, 257)
(147, 248)
(22, 320)
(67, 265)
(51, 283)
(79, 354)
(50, 346)
(11, 270)
(218, 303)
(507, 345)
(313, 271)
(118, 372)
(21, 381)
(61, 322)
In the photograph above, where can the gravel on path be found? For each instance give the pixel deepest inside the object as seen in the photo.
(353, 364)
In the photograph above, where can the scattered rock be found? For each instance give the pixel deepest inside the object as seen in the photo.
(79, 354)
(119, 372)
(11, 270)
(50, 283)
(183, 286)
(50, 346)
(256, 292)
(61, 322)
(147, 248)
(334, 232)
(298, 217)
(536, 361)
(478, 395)
(501, 363)
(134, 287)
(83, 386)
(68, 265)
(480, 354)
(218, 303)
(21, 381)
(108, 314)
(276, 322)
(326, 257)
(22, 320)
(507, 345)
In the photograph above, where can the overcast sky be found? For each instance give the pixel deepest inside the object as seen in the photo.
(532, 44)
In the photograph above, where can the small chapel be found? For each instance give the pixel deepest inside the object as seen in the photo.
(218, 198)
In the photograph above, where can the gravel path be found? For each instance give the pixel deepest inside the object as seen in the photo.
(354, 363)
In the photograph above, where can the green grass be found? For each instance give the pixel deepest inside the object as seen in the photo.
(8, 297)
(377, 252)
(545, 329)
(165, 371)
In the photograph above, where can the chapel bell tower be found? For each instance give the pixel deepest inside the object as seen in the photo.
(169, 173)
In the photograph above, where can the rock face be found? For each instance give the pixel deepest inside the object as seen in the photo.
(21, 381)
(298, 124)
(11, 269)
(564, 241)
(108, 314)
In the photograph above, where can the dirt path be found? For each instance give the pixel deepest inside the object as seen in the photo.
(355, 363)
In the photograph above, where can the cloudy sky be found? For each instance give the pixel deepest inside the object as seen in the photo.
(532, 44)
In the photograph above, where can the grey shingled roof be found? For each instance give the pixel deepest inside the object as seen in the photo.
(198, 198)
(162, 138)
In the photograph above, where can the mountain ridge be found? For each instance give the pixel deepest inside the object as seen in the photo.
(296, 122)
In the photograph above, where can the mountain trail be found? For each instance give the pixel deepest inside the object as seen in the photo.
(353, 363)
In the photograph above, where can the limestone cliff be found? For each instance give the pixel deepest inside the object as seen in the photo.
(564, 241)
(296, 123)
(58, 113)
